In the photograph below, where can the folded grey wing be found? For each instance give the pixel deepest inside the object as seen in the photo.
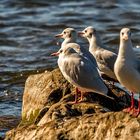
(106, 58)
(83, 51)
(89, 55)
(83, 72)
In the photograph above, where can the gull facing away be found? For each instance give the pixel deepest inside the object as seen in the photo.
(105, 58)
(80, 72)
(70, 35)
(127, 68)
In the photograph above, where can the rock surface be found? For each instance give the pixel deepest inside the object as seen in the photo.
(48, 114)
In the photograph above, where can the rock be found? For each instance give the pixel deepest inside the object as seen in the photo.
(48, 114)
(42, 90)
(106, 126)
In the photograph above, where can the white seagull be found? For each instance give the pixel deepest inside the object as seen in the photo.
(70, 36)
(80, 72)
(127, 68)
(105, 58)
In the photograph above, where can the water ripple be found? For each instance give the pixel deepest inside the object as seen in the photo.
(27, 29)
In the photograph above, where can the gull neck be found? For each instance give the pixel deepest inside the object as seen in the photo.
(68, 40)
(95, 43)
(126, 50)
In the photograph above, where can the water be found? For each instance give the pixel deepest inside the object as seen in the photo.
(27, 29)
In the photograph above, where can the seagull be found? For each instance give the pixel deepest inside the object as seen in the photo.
(70, 36)
(80, 71)
(105, 58)
(127, 68)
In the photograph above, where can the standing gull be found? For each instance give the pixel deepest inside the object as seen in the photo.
(80, 72)
(70, 35)
(127, 68)
(105, 58)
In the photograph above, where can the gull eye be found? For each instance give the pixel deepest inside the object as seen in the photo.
(122, 33)
(64, 32)
(61, 51)
(85, 31)
(90, 34)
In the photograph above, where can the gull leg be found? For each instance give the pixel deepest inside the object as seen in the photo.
(76, 96)
(136, 112)
(81, 98)
(132, 104)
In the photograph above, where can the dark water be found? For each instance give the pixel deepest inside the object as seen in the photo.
(27, 29)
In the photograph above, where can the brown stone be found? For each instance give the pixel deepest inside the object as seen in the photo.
(48, 114)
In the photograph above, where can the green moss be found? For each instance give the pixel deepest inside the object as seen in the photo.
(31, 119)
(41, 113)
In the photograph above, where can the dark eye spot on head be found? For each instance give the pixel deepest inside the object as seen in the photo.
(85, 31)
(64, 32)
(90, 34)
(122, 33)
(69, 35)
(61, 51)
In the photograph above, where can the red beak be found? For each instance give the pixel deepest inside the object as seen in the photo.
(55, 54)
(59, 35)
(80, 33)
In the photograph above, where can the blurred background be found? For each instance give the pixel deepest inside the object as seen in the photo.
(27, 29)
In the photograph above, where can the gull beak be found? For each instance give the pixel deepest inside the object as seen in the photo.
(59, 35)
(125, 37)
(80, 33)
(55, 54)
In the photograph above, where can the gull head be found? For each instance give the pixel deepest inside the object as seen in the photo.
(68, 51)
(68, 33)
(88, 32)
(64, 52)
(125, 34)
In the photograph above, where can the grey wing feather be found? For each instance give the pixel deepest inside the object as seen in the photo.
(107, 58)
(85, 52)
(89, 55)
(82, 72)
